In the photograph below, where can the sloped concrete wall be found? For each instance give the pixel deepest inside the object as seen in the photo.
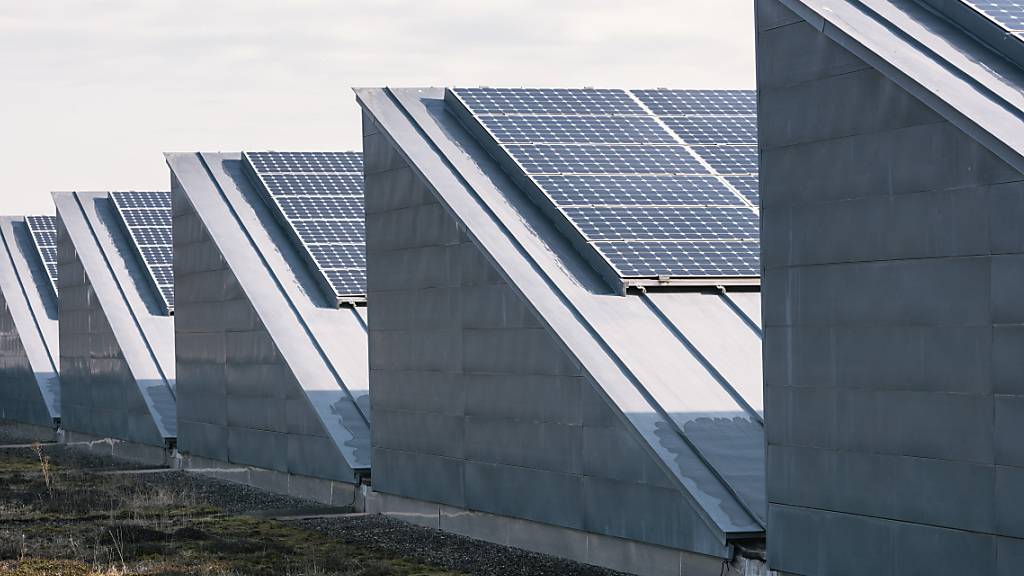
(238, 401)
(99, 395)
(20, 398)
(892, 249)
(475, 405)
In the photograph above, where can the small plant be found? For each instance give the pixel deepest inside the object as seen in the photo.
(44, 463)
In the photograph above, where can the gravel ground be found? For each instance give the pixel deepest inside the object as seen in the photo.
(448, 551)
(377, 533)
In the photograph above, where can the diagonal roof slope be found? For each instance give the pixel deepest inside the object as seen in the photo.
(934, 57)
(29, 383)
(132, 311)
(681, 369)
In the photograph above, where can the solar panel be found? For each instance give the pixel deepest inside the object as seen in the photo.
(747, 186)
(314, 162)
(548, 101)
(730, 159)
(714, 129)
(699, 102)
(1008, 14)
(631, 190)
(641, 175)
(43, 230)
(147, 218)
(318, 196)
(708, 259)
(577, 129)
(598, 159)
(314, 184)
(313, 207)
(642, 223)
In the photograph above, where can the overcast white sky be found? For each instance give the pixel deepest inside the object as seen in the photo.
(93, 91)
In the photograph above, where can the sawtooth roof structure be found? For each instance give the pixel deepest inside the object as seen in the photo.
(29, 356)
(116, 328)
(623, 221)
(270, 315)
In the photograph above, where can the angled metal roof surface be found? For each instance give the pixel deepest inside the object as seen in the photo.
(324, 346)
(144, 334)
(32, 306)
(936, 59)
(682, 369)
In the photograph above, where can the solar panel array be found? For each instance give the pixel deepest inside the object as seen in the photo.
(1008, 14)
(319, 195)
(147, 218)
(43, 230)
(661, 183)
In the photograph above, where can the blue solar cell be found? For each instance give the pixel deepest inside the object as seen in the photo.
(330, 231)
(747, 186)
(322, 207)
(730, 159)
(643, 223)
(699, 102)
(163, 274)
(157, 254)
(714, 129)
(146, 217)
(141, 199)
(577, 129)
(336, 256)
(315, 162)
(631, 190)
(152, 236)
(43, 231)
(547, 101)
(167, 293)
(347, 282)
(675, 259)
(313, 184)
(42, 222)
(601, 159)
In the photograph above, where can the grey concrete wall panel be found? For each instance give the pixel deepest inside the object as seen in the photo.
(117, 348)
(263, 356)
(494, 275)
(892, 255)
(29, 355)
(971, 85)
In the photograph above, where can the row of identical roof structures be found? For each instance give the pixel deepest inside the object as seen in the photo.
(565, 349)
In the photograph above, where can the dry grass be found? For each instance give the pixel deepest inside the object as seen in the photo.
(57, 521)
